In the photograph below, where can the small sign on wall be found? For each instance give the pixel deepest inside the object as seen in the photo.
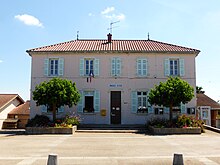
(115, 85)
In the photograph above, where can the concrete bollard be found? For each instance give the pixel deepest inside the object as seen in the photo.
(52, 159)
(178, 159)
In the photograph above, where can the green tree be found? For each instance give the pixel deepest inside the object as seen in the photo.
(171, 93)
(56, 93)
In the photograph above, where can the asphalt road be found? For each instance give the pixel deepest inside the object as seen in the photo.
(110, 148)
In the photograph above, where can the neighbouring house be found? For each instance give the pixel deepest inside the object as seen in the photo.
(114, 77)
(207, 109)
(7, 103)
(20, 113)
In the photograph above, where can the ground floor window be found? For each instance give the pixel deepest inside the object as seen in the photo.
(158, 111)
(142, 102)
(89, 102)
(139, 102)
(89, 106)
(191, 111)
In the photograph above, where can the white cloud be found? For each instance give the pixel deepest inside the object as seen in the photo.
(29, 20)
(111, 14)
(118, 17)
(1, 61)
(108, 10)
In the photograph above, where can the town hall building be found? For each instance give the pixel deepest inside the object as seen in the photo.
(113, 77)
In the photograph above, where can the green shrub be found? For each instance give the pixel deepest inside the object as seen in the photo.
(38, 121)
(182, 121)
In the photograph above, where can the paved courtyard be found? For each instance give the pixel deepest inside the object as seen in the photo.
(110, 148)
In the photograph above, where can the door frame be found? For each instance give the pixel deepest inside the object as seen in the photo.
(110, 106)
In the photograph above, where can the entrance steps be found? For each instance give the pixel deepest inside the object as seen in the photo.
(102, 128)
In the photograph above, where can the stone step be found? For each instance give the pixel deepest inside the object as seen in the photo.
(95, 128)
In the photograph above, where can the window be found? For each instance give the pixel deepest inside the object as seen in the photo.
(53, 66)
(158, 111)
(89, 67)
(89, 102)
(116, 66)
(142, 67)
(142, 102)
(174, 67)
(45, 109)
(191, 111)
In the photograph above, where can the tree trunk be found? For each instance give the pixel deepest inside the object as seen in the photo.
(54, 112)
(171, 112)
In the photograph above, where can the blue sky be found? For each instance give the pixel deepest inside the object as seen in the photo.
(29, 24)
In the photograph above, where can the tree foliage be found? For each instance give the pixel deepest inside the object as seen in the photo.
(56, 93)
(199, 90)
(171, 93)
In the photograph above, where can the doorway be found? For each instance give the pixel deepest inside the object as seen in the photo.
(115, 107)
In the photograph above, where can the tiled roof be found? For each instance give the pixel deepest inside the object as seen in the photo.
(6, 98)
(114, 46)
(204, 100)
(22, 109)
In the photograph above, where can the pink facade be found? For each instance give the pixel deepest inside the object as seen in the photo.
(114, 84)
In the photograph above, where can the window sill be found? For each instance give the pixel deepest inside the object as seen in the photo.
(142, 114)
(88, 113)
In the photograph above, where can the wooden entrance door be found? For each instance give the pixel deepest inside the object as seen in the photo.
(115, 107)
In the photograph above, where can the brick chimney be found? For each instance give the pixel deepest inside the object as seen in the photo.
(109, 37)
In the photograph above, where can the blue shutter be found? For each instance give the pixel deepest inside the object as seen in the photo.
(97, 101)
(61, 66)
(183, 108)
(144, 67)
(138, 67)
(43, 108)
(113, 67)
(81, 102)
(96, 67)
(166, 110)
(81, 67)
(46, 67)
(166, 67)
(61, 109)
(182, 67)
(134, 102)
(118, 66)
(150, 108)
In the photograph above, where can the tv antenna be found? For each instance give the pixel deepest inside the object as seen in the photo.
(110, 26)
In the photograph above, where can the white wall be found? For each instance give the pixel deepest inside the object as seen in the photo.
(6, 110)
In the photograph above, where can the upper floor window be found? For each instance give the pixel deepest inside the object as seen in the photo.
(53, 66)
(174, 67)
(116, 66)
(89, 67)
(142, 67)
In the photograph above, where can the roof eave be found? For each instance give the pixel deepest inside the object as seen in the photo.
(115, 51)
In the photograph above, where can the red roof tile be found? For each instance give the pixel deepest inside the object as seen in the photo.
(22, 109)
(115, 45)
(203, 100)
(6, 98)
